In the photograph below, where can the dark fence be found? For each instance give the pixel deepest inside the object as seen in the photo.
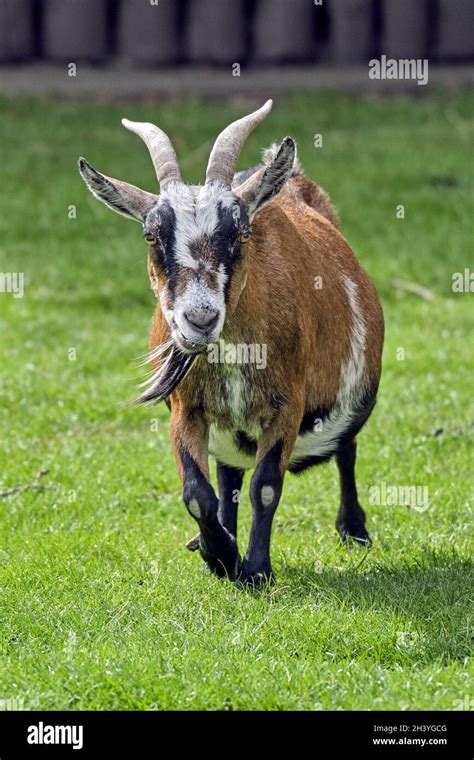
(223, 32)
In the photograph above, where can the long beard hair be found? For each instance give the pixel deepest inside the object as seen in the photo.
(174, 366)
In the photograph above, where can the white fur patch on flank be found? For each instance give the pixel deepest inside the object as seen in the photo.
(353, 370)
(323, 440)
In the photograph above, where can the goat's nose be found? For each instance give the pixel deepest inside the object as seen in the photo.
(202, 319)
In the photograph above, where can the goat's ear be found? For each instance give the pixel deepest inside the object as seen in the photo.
(121, 197)
(265, 184)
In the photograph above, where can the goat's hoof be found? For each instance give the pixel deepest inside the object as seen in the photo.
(222, 569)
(356, 533)
(254, 579)
(194, 543)
(224, 562)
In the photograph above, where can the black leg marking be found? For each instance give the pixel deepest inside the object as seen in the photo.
(216, 545)
(350, 521)
(265, 491)
(229, 480)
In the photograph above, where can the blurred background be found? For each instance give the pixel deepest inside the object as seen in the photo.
(312, 42)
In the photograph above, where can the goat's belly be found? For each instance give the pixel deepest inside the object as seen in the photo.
(327, 434)
(234, 448)
(314, 445)
(323, 439)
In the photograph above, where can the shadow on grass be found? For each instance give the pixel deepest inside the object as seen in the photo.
(431, 594)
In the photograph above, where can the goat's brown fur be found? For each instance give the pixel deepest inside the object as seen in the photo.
(293, 242)
(296, 290)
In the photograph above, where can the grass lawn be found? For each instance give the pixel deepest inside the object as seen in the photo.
(100, 604)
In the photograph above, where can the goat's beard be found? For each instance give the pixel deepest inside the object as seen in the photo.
(174, 366)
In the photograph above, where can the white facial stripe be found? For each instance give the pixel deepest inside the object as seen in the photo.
(208, 199)
(196, 212)
(182, 200)
(198, 296)
(222, 279)
(206, 217)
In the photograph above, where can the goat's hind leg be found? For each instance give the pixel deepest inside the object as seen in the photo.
(350, 521)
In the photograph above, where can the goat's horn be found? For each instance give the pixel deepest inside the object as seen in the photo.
(160, 148)
(227, 147)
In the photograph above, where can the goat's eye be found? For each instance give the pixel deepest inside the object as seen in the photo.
(244, 237)
(151, 239)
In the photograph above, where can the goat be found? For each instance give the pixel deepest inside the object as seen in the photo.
(252, 259)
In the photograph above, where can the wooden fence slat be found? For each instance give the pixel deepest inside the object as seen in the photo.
(75, 30)
(216, 31)
(16, 33)
(405, 28)
(223, 32)
(148, 34)
(351, 30)
(455, 29)
(284, 31)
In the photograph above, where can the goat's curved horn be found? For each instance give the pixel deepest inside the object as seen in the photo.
(160, 149)
(227, 147)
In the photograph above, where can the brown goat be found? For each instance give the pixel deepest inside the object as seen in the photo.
(252, 266)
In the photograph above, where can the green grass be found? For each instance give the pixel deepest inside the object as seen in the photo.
(100, 604)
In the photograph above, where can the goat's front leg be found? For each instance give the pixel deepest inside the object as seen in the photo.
(230, 483)
(189, 435)
(273, 453)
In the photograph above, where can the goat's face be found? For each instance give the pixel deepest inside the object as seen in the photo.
(196, 234)
(196, 237)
